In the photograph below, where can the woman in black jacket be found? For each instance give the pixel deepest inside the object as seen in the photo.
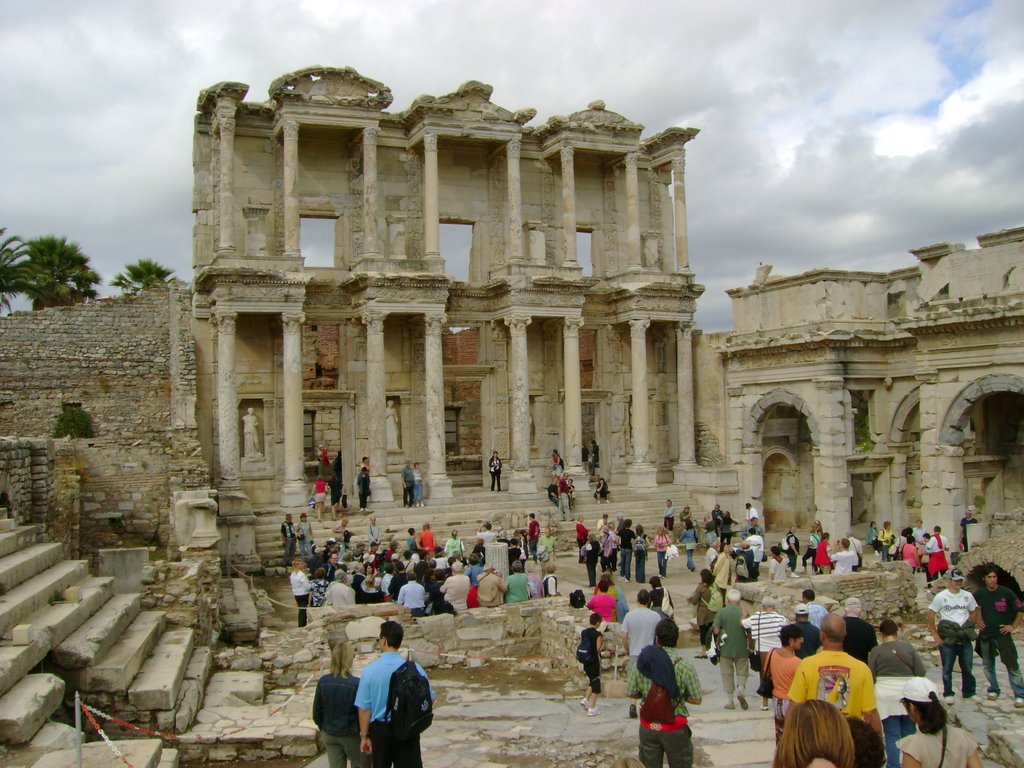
(334, 709)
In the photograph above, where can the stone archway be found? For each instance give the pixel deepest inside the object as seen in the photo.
(905, 418)
(769, 401)
(958, 415)
(781, 490)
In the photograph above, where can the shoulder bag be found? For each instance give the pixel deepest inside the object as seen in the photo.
(766, 688)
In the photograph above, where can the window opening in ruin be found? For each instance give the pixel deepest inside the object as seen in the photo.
(585, 251)
(316, 241)
(309, 433)
(861, 403)
(451, 430)
(456, 247)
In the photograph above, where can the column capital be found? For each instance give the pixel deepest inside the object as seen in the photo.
(571, 326)
(517, 324)
(514, 148)
(374, 320)
(567, 154)
(631, 159)
(435, 322)
(224, 320)
(638, 327)
(226, 124)
(371, 134)
(685, 330)
(679, 162)
(430, 142)
(293, 321)
(290, 129)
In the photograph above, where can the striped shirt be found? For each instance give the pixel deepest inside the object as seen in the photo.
(764, 628)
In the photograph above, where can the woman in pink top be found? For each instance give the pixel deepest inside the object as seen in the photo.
(910, 556)
(661, 544)
(603, 602)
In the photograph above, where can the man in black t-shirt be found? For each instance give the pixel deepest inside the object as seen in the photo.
(1001, 613)
(860, 636)
(626, 538)
(812, 635)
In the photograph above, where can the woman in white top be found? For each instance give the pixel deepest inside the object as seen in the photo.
(300, 588)
(936, 743)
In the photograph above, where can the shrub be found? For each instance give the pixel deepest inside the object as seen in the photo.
(73, 422)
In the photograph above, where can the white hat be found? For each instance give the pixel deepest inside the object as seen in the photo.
(800, 609)
(920, 690)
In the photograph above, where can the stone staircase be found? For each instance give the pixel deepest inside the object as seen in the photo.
(122, 659)
(469, 509)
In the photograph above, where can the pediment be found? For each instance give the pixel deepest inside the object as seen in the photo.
(470, 102)
(331, 86)
(594, 119)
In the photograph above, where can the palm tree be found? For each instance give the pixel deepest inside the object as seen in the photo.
(12, 268)
(58, 273)
(141, 276)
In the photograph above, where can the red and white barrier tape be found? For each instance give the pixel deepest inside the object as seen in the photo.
(106, 739)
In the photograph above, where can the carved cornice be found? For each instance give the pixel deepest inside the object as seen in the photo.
(210, 97)
(330, 86)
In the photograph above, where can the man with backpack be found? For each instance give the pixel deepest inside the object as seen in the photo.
(395, 703)
(664, 683)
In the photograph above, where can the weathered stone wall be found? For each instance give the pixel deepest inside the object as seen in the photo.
(709, 399)
(26, 478)
(188, 591)
(130, 364)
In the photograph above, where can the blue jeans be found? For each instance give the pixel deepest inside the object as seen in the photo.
(625, 563)
(1007, 651)
(689, 560)
(641, 568)
(895, 727)
(951, 653)
(662, 565)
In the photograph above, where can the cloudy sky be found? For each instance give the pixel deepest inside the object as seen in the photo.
(838, 133)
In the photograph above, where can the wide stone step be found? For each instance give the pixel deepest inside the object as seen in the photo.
(36, 593)
(190, 698)
(50, 626)
(25, 708)
(157, 684)
(140, 753)
(18, 539)
(23, 565)
(96, 635)
(115, 669)
(238, 615)
(168, 758)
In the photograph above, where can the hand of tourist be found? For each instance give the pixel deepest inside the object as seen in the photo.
(364, 745)
(938, 640)
(1006, 629)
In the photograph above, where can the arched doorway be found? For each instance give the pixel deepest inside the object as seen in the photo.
(781, 490)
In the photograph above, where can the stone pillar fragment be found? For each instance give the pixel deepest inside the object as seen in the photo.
(371, 239)
(679, 213)
(293, 491)
(569, 206)
(641, 473)
(831, 478)
(227, 400)
(380, 488)
(522, 477)
(633, 245)
(431, 225)
(515, 201)
(226, 212)
(290, 178)
(572, 413)
(684, 402)
(438, 483)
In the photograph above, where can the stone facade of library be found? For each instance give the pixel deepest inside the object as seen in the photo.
(838, 395)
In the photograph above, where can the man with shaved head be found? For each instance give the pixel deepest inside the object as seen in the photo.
(834, 676)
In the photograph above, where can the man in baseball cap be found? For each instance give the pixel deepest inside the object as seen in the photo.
(952, 616)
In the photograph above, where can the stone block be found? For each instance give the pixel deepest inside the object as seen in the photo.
(21, 634)
(364, 629)
(247, 686)
(159, 680)
(492, 632)
(139, 753)
(28, 705)
(125, 566)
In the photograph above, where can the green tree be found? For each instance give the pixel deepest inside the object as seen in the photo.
(72, 422)
(58, 274)
(141, 276)
(12, 268)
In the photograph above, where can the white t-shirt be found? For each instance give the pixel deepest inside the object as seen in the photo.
(640, 624)
(752, 513)
(844, 561)
(711, 556)
(777, 570)
(956, 608)
(933, 544)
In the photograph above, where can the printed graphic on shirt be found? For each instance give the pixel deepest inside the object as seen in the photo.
(834, 685)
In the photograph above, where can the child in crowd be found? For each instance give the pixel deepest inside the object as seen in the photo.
(592, 666)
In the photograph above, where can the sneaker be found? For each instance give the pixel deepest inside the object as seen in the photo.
(592, 712)
(764, 707)
(993, 695)
(949, 698)
(730, 705)
(584, 703)
(743, 701)
(1019, 702)
(632, 711)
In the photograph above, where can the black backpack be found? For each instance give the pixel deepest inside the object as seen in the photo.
(577, 599)
(585, 651)
(410, 707)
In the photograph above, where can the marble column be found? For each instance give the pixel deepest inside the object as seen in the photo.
(226, 211)
(371, 239)
(293, 491)
(572, 413)
(439, 486)
(290, 178)
(831, 478)
(376, 392)
(642, 473)
(684, 403)
(515, 200)
(569, 206)
(633, 245)
(522, 480)
(227, 400)
(431, 226)
(679, 213)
